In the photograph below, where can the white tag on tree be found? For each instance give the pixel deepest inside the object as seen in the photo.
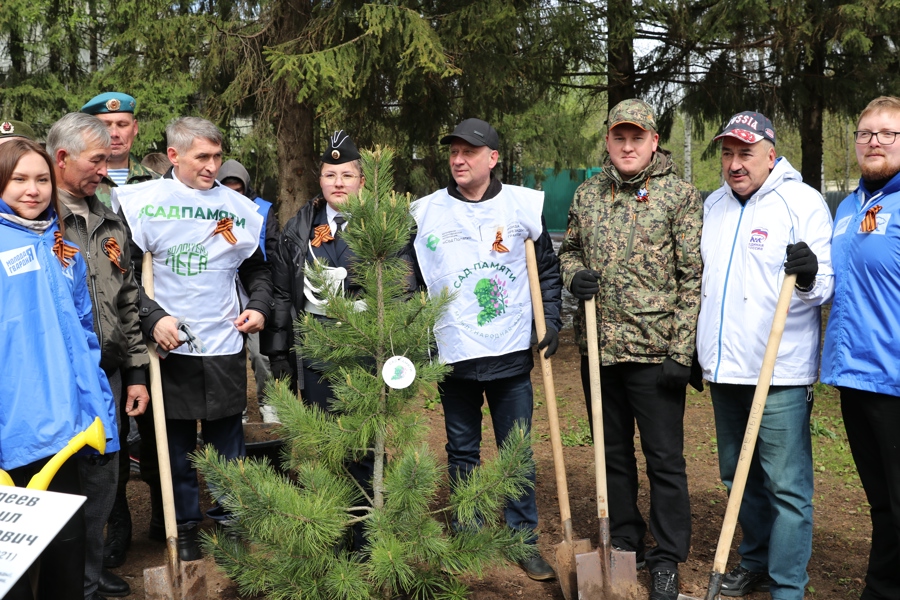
(398, 372)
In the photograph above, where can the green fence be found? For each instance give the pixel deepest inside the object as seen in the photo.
(559, 189)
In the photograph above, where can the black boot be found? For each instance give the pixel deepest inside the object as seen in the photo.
(118, 534)
(188, 543)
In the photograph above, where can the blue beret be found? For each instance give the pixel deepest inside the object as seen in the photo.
(109, 102)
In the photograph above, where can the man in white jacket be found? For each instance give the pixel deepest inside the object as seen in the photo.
(762, 223)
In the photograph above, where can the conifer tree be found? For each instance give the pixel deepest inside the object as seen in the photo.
(290, 528)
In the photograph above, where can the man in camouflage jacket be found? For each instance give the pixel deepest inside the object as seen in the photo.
(633, 241)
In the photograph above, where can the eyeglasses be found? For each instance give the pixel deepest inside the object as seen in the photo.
(883, 137)
(332, 178)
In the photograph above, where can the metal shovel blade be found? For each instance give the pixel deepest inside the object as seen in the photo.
(176, 580)
(565, 565)
(620, 583)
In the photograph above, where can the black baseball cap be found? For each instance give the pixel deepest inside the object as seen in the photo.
(749, 127)
(476, 132)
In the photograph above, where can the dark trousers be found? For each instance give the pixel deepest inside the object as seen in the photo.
(148, 457)
(317, 392)
(61, 565)
(225, 435)
(872, 421)
(511, 401)
(630, 393)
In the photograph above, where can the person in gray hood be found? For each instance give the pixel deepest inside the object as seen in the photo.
(235, 176)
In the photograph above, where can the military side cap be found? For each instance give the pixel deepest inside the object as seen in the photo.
(13, 129)
(634, 112)
(110, 102)
(340, 150)
(748, 127)
(476, 132)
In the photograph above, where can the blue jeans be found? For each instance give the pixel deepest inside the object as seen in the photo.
(510, 400)
(776, 514)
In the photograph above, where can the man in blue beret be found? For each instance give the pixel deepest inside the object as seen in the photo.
(116, 110)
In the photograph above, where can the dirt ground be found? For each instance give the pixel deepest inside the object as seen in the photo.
(842, 527)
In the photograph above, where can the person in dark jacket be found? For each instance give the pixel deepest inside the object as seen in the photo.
(235, 176)
(195, 265)
(80, 145)
(313, 234)
(471, 238)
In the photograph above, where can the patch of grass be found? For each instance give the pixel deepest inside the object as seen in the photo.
(832, 460)
(577, 435)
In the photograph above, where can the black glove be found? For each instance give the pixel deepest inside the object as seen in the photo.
(696, 379)
(586, 284)
(802, 261)
(281, 367)
(673, 375)
(550, 342)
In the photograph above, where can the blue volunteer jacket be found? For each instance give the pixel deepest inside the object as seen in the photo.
(52, 385)
(862, 340)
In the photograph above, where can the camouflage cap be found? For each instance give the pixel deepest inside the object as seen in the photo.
(633, 111)
(13, 129)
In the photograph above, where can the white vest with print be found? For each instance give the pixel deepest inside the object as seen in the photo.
(491, 312)
(193, 270)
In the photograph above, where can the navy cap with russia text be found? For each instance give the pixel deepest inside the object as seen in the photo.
(748, 127)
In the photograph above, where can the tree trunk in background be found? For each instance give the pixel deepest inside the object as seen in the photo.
(294, 123)
(298, 179)
(620, 51)
(813, 116)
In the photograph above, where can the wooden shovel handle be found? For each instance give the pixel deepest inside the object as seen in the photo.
(753, 422)
(540, 325)
(159, 415)
(590, 324)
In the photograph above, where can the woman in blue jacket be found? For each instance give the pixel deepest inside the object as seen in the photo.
(52, 386)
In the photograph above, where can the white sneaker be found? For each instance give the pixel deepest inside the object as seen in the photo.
(244, 418)
(269, 414)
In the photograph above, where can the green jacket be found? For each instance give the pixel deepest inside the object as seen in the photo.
(114, 293)
(648, 254)
(136, 174)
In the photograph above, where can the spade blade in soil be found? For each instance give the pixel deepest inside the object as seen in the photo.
(617, 581)
(176, 580)
(566, 570)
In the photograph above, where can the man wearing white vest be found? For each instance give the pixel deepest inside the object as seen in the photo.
(201, 235)
(471, 240)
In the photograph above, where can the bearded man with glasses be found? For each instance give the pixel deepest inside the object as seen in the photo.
(862, 340)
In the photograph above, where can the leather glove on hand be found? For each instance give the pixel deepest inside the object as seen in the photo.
(550, 342)
(802, 261)
(281, 367)
(673, 375)
(696, 379)
(585, 284)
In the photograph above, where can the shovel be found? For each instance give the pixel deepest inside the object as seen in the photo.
(606, 573)
(568, 548)
(750, 435)
(175, 580)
